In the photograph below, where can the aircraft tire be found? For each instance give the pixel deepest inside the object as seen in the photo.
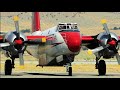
(102, 67)
(70, 71)
(8, 67)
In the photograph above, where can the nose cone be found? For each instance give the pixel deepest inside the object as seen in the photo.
(73, 41)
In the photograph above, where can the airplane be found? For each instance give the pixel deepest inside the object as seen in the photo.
(58, 46)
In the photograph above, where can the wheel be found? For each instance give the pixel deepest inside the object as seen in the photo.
(70, 71)
(102, 67)
(8, 67)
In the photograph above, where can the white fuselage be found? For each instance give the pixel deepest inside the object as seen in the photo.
(46, 53)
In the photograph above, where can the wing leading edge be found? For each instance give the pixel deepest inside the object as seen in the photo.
(30, 40)
(90, 41)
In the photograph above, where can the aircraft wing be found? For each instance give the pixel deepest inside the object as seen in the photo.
(30, 40)
(36, 39)
(89, 42)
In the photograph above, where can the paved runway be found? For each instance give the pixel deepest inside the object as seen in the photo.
(59, 75)
(81, 73)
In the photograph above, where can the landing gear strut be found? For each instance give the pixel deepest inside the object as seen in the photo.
(97, 62)
(69, 69)
(13, 64)
(8, 67)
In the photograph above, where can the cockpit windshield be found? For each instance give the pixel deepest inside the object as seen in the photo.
(67, 27)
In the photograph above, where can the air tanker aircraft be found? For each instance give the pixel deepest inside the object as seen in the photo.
(58, 45)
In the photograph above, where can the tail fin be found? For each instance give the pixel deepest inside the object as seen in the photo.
(35, 22)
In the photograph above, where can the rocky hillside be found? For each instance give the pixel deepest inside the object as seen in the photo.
(88, 22)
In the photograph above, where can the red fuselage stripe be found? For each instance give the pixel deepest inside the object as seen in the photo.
(35, 37)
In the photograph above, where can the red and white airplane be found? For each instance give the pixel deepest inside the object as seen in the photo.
(58, 45)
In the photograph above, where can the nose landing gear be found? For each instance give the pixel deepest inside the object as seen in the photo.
(69, 69)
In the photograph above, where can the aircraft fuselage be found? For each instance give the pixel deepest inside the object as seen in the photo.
(61, 43)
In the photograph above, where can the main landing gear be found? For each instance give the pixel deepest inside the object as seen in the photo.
(101, 66)
(9, 64)
(8, 67)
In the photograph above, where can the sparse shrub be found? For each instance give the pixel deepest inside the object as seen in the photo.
(115, 28)
(25, 31)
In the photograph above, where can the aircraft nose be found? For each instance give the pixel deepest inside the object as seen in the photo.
(73, 41)
(75, 47)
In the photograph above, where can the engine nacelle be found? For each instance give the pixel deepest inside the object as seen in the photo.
(103, 37)
(11, 37)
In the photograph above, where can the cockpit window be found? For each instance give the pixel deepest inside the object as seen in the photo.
(68, 27)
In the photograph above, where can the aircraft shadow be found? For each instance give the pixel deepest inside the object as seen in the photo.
(74, 74)
(11, 75)
(47, 74)
(16, 74)
(85, 75)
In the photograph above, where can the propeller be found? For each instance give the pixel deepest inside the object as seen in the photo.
(102, 46)
(18, 41)
(111, 42)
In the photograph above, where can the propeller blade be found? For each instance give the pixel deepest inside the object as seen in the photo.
(4, 45)
(118, 58)
(96, 49)
(104, 23)
(105, 26)
(16, 18)
(21, 60)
